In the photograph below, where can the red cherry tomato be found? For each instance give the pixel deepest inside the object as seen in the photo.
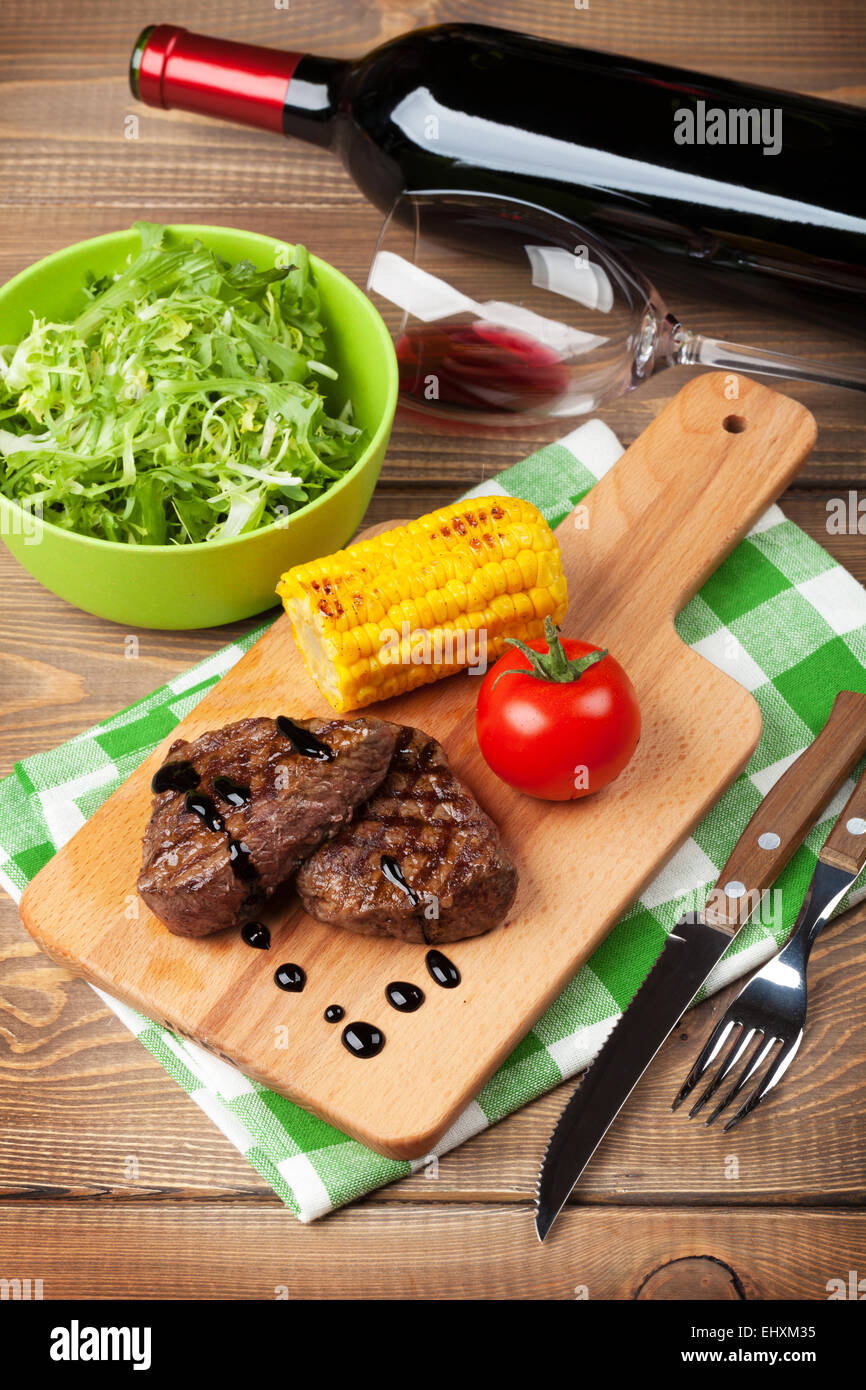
(557, 718)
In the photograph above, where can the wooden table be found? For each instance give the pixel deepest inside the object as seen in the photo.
(112, 1182)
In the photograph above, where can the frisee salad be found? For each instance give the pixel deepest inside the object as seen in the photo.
(184, 403)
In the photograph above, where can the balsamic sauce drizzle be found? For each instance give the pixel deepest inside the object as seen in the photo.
(443, 970)
(204, 807)
(232, 792)
(290, 977)
(304, 741)
(363, 1039)
(180, 776)
(241, 864)
(256, 934)
(404, 997)
(334, 1012)
(394, 874)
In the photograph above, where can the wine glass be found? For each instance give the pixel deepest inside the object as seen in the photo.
(502, 311)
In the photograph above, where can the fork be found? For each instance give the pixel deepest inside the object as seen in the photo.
(769, 1014)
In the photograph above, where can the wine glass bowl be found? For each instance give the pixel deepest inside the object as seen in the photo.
(503, 312)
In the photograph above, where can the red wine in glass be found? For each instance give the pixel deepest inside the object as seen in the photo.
(478, 367)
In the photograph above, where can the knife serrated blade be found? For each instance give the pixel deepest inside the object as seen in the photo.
(688, 956)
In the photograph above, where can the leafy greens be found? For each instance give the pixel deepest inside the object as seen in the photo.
(183, 404)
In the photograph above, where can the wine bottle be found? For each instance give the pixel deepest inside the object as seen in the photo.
(736, 176)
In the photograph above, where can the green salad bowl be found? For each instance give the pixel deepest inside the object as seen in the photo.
(220, 581)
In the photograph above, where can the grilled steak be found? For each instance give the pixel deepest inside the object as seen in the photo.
(420, 861)
(244, 805)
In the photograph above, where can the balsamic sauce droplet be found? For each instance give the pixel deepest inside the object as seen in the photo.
(305, 742)
(363, 1039)
(239, 858)
(394, 874)
(256, 934)
(405, 997)
(334, 1012)
(232, 792)
(443, 970)
(291, 977)
(204, 807)
(175, 777)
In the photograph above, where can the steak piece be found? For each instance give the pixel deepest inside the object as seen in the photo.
(421, 861)
(242, 808)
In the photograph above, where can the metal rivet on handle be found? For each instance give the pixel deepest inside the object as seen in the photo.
(734, 889)
(856, 825)
(769, 840)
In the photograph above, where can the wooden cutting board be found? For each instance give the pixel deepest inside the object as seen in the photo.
(652, 531)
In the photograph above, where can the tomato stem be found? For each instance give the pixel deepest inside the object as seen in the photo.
(552, 665)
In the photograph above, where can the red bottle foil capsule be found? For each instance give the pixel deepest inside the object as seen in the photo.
(236, 81)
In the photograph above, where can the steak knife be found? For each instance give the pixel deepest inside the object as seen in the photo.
(696, 944)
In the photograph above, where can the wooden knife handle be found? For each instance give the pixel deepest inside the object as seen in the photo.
(845, 846)
(789, 810)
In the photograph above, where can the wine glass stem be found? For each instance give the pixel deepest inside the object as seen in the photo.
(688, 349)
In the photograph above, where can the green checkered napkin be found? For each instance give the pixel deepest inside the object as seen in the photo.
(779, 615)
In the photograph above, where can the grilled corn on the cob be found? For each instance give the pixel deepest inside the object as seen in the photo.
(425, 600)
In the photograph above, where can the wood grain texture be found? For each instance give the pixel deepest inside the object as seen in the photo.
(682, 495)
(227, 1250)
(77, 1094)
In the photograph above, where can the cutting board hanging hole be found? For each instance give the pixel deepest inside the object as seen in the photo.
(734, 424)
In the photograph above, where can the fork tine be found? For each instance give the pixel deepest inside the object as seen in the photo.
(756, 1060)
(735, 1052)
(704, 1059)
(774, 1075)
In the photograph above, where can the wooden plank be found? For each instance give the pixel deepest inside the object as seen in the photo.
(452, 456)
(464, 1252)
(791, 46)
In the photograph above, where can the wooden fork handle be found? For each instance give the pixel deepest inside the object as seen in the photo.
(791, 807)
(845, 846)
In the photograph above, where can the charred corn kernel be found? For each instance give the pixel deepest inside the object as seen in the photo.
(424, 600)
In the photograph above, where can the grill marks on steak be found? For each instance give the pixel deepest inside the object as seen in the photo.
(295, 803)
(448, 851)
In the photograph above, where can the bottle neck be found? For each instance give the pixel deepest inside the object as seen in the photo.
(313, 98)
(289, 93)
